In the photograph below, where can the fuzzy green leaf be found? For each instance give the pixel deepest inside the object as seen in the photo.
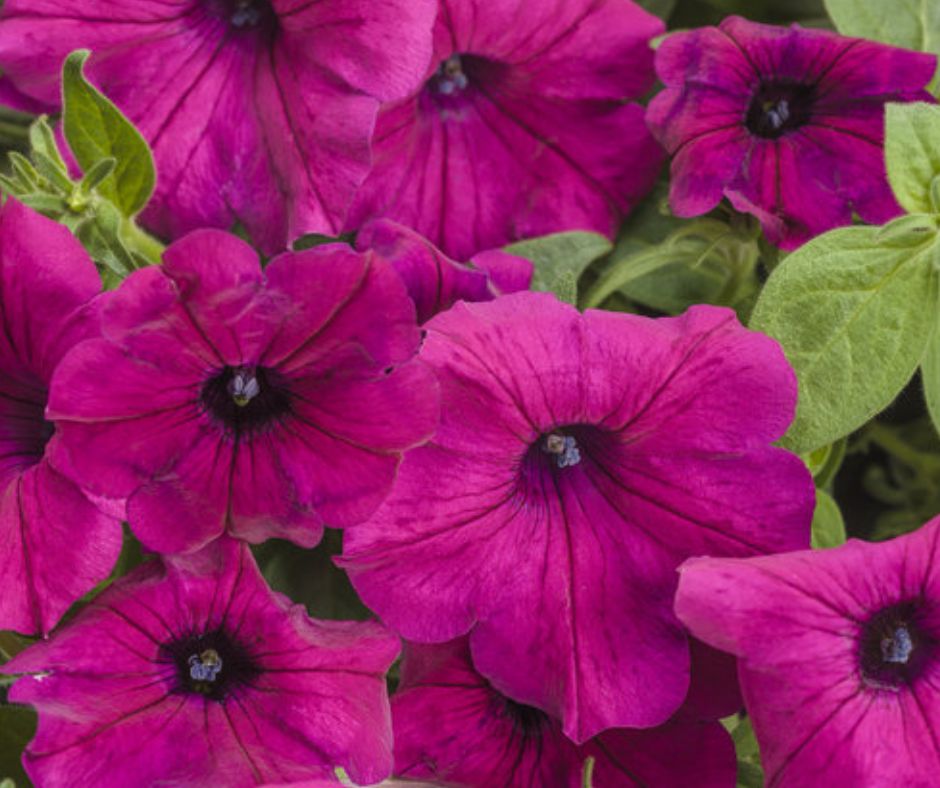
(95, 130)
(912, 154)
(930, 376)
(560, 259)
(853, 318)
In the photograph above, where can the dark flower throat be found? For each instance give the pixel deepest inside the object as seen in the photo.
(779, 107)
(246, 399)
(211, 664)
(894, 647)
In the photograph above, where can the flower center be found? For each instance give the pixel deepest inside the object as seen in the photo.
(246, 399)
(894, 647)
(210, 664)
(24, 431)
(779, 107)
(564, 449)
(249, 14)
(449, 77)
(527, 721)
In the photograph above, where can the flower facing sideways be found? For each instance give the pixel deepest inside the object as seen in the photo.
(433, 280)
(452, 726)
(580, 459)
(787, 123)
(525, 125)
(262, 403)
(839, 656)
(193, 672)
(257, 110)
(54, 544)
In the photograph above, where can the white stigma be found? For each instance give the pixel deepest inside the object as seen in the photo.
(205, 666)
(779, 114)
(243, 388)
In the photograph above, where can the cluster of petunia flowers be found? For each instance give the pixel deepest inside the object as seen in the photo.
(518, 482)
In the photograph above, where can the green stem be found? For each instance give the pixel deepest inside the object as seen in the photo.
(141, 242)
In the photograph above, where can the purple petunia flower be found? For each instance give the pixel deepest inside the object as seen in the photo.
(579, 460)
(839, 656)
(523, 127)
(195, 673)
(452, 726)
(787, 123)
(54, 544)
(265, 404)
(433, 280)
(257, 110)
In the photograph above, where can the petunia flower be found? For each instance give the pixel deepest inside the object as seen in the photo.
(524, 125)
(434, 281)
(580, 459)
(839, 656)
(259, 111)
(54, 543)
(787, 123)
(263, 403)
(452, 726)
(194, 673)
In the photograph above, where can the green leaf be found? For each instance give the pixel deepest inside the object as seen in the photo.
(750, 773)
(662, 8)
(853, 319)
(824, 462)
(912, 24)
(912, 154)
(97, 173)
(828, 525)
(930, 376)
(560, 259)
(17, 727)
(95, 130)
(587, 773)
(42, 140)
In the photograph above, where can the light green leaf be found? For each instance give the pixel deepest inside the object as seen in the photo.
(828, 525)
(42, 139)
(930, 376)
(560, 259)
(912, 154)
(95, 130)
(853, 319)
(912, 24)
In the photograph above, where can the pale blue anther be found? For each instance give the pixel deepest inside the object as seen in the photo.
(203, 667)
(778, 115)
(565, 449)
(451, 78)
(245, 15)
(897, 649)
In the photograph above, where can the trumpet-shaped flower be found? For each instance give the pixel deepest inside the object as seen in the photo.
(787, 123)
(263, 403)
(452, 726)
(580, 459)
(434, 281)
(194, 673)
(259, 111)
(839, 656)
(55, 545)
(524, 125)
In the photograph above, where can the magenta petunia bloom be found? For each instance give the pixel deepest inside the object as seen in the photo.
(194, 673)
(452, 726)
(580, 459)
(262, 403)
(54, 543)
(787, 123)
(259, 111)
(434, 281)
(524, 125)
(839, 656)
